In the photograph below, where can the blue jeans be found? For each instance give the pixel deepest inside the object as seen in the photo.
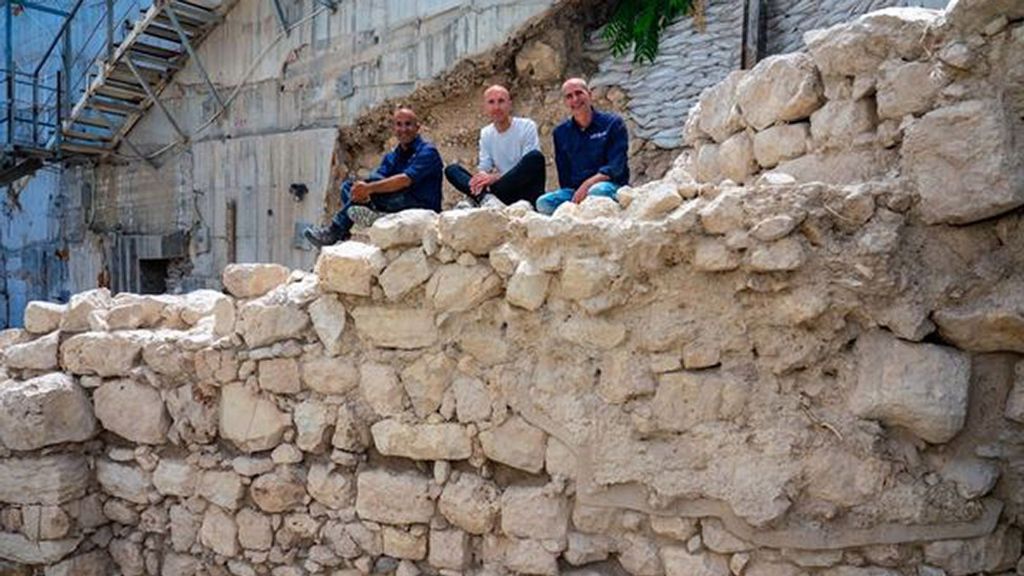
(393, 202)
(547, 203)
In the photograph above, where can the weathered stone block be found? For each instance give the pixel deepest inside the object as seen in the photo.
(780, 88)
(456, 287)
(132, 410)
(328, 316)
(43, 317)
(329, 486)
(860, 46)
(381, 389)
(515, 443)
(124, 481)
(278, 491)
(679, 562)
(253, 280)
(405, 228)
(839, 122)
(993, 323)
(449, 549)
(720, 117)
(219, 532)
(780, 143)
(280, 375)
(403, 328)
(712, 255)
(532, 512)
(264, 321)
(43, 411)
(394, 497)
(444, 441)
(405, 273)
(251, 422)
(471, 503)
(330, 376)
(528, 286)
(222, 487)
(100, 353)
(474, 231)
(175, 478)
(48, 480)
(349, 267)
(313, 423)
(81, 306)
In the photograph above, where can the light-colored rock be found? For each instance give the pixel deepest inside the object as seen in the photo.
(723, 214)
(515, 443)
(408, 545)
(45, 522)
(175, 478)
(394, 497)
(774, 227)
(720, 117)
(99, 353)
(975, 15)
(248, 420)
(1015, 399)
(47, 480)
(132, 410)
(712, 255)
(455, 287)
(474, 231)
(686, 399)
(993, 323)
(473, 403)
(278, 491)
(329, 376)
(922, 387)
(222, 487)
(780, 88)
(405, 228)
(253, 280)
(638, 555)
(329, 486)
(128, 556)
(779, 256)
(654, 201)
(701, 354)
(219, 532)
(471, 503)
(583, 278)
(43, 317)
(313, 423)
(349, 267)
(286, 454)
(706, 168)
(279, 375)
(18, 548)
(209, 304)
(595, 333)
(350, 432)
(861, 45)
(381, 389)
(43, 411)
(425, 381)
(328, 316)
(973, 477)
(532, 512)
(674, 527)
(445, 441)
(586, 548)
(907, 88)
(95, 563)
(530, 557)
(977, 175)
(264, 321)
(124, 481)
(990, 554)
(780, 143)
(254, 530)
(736, 158)
(449, 549)
(402, 328)
(716, 538)
(175, 564)
(81, 306)
(679, 562)
(38, 354)
(540, 62)
(528, 286)
(839, 122)
(405, 273)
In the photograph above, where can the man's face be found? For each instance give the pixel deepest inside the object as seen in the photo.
(405, 127)
(497, 104)
(576, 96)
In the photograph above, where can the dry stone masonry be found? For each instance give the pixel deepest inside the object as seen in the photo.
(799, 354)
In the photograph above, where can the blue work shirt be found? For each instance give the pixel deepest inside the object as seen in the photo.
(601, 147)
(421, 162)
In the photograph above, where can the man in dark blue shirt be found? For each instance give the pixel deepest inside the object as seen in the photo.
(590, 151)
(408, 177)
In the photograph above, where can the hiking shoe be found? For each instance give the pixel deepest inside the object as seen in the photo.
(321, 236)
(491, 201)
(464, 204)
(363, 215)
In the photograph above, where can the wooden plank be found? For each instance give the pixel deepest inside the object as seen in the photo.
(754, 33)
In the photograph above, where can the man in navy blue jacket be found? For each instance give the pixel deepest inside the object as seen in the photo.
(590, 151)
(408, 177)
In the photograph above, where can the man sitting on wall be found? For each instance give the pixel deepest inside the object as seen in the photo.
(408, 177)
(511, 166)
(590, 151)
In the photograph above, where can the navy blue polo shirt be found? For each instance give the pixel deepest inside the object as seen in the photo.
(421, 162)
(601, 147)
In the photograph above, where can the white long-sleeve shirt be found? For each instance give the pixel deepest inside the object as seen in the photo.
(503, 150)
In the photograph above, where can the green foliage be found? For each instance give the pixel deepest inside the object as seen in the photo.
(639, 23)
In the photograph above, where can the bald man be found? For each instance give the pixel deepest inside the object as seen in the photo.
(590, 151)
(409, 176)
(511, 166)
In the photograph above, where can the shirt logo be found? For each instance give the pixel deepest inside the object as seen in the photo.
(598, 135)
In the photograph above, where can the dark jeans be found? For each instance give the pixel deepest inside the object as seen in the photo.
(525, 181)
(391, 202)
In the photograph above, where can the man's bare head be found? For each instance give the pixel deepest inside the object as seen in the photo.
(497, 103)
(576, 94)
(405, 125)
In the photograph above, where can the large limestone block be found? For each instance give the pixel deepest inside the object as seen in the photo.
(585, 277)
(328, 316)
(679, 562)
(95, 563)
(736, 158)
(922, 387)
(990, 554)
(405, 273)
(595, 333)
(907, 88)
(18, 548)
(706, 166)
(405, 228)
(473, 402)
(654, 201)
(449, 549)
(265, 320)
(712, 255)
(132, 410)
(175, 478)
(974, 15)
(251, 422)
(530, 557)
(532, 512)
(394, 497)
(219, 532)
(48, 480)
(124, 481)
(404, 544)
(221, 487)
(515, 443)
(780, 88)
(685, 399)
(528, 286)
(279, 491)
(253, 280)
(780, 143)
(860, 46)
(381, 389)
(43, 317)
(254, 530)
(81, 306)
(475, 231)
(720, 116)
(455, 287)
(839, 122)
(403, 328)
(780, 256)
(38, 354)
(209, 304)
(349, 267)
(445, 441)
(313, 422)
(329, 486)
(280, 375)
(43, 411)
(976, 174)
(471, 503)
(994, 323)
(100, 353)
(350, 431)
(426, 380)
(329, 376)
(841, 166)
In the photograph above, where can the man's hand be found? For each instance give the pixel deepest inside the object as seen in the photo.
(360, 192)
(581, 192)
(480, 181)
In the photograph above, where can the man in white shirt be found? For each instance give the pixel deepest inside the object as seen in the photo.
(511, 166)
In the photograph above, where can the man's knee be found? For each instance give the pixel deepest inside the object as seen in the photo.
(533, 158)
(451, 170)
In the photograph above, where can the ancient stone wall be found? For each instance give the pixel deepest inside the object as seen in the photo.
(772, 378)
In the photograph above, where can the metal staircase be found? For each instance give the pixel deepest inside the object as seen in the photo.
(112, 79)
